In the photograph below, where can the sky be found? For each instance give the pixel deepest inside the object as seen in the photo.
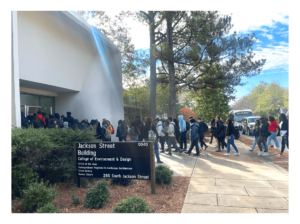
(271, 29)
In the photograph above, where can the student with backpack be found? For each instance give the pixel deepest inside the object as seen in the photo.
(151, 127)
(230, 136)
(177, 132)
(121, 131)
(171, 137)
(106, 133)
(134, 133)
(284, 132)
(202, 129)
(161, 135)
(220, 133)
(183, 131)
(194, 138)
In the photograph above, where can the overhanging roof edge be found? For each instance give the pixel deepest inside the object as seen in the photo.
(78, 19)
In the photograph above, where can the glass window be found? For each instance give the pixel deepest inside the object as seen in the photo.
(30, 100)
(47, 101)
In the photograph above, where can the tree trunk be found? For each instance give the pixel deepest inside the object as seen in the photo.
(171, 67)
(152, 100)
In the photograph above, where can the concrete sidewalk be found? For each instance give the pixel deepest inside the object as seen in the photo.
(231, 184)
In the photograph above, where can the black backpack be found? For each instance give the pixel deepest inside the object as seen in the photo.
(187, 126)
(177, 132)
(236, 134)
(205, 127)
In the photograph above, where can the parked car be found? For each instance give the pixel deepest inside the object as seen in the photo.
(247, 124)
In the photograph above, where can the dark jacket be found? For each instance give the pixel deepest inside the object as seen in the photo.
(220, 129)
(59, 123)
(53, 125)
(285, 126)
(24, 121)
(71, 120)
(85, 126)
(38, 124)
(213, 129)
(139, 124)
(201, 128)
(230, 130)
(99, 132)
(194, 131)
(120, 133)
(256, 131)
(263, 130)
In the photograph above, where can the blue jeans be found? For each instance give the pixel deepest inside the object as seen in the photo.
(273, 136)
(155, 149)
(135, 140)
(254, 144)
(231, 141)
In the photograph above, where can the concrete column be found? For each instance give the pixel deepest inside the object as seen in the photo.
(15, 84)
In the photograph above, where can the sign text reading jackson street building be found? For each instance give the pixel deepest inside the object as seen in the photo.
(128, 160)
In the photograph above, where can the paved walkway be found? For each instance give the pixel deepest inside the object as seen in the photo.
(236, 184)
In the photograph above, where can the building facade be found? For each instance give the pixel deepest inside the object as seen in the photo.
(60, 63)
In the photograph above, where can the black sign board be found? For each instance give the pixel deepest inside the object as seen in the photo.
(126, 160)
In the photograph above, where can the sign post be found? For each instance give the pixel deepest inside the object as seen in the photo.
(121, 160)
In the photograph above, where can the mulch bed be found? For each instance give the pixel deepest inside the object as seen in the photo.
(168, 198)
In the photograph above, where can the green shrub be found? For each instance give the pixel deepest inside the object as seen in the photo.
(22, 177)
(75, 200)
(38, 195)
(163, 175)
(97, 196)
(48, 152)
(132, 205)
(48, 208)
(122, 182)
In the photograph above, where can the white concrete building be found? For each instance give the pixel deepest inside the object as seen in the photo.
(61, 63)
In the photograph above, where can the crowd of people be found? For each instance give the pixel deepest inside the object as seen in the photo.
(170, 131)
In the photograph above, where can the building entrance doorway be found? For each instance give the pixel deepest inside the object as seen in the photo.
(35, 109)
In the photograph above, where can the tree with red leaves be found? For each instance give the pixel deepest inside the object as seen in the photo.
(186, 112)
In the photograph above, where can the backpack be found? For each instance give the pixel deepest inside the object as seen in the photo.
(111, 128)
(187, 126)
(205, 127)
(177, 132)
(107, 133)
(236, 134)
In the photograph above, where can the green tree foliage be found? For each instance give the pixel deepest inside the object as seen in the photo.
(265, 99)
(195, 44)
(48, 208)
(207, 103)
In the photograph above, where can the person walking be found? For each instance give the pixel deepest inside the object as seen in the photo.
(202, 129)
(194, 137)
(37, 122)
(177, 132)
(29, 117)
(263, 135)
(256, 135)
(212, 129)
(65, 123)
(151, 127)
(134, 133)
(106, 133)
(24, 120)
(161, 135)
(273, 130)
(220, 133)
(284, 132)
(230, 136)
(121, 131)
(183, 131)
(58, 120)
(140, 126)
(171, 137)
(84, 125)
